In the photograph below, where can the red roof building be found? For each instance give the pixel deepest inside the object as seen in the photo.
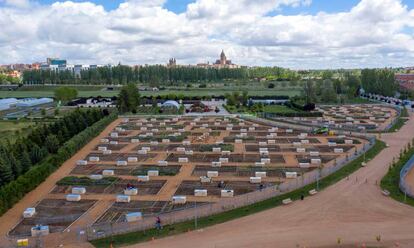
(406, 81)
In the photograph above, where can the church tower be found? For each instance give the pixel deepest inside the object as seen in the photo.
(223, 58)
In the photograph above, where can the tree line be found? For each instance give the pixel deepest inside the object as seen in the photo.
(153, 74)
(18, 157)
(379, 81)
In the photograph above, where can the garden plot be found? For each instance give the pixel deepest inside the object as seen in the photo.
(144, 188)
(372, 117)
(57, 214)
(112, 147)
(214, 188)
(117, 212)
(308, 159)
(320, 148)
(90, 169)
(256, 148)
(233, 158)
(253, 139)
(170, 170)
(245, 171)
(65, 185)
(120, 156)
(128, 170)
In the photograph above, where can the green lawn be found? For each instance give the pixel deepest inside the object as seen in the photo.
(272, 109)
(391, 180)
(142, 236)
(12, 129)
(277, 109)
(400, 122)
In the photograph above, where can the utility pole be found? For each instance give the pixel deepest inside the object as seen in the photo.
(195, 217)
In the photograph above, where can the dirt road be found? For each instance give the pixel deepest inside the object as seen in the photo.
(353, 211)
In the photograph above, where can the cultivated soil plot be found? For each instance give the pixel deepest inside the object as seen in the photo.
(371, 117)
(247, 171)
(144, 163)
(214, 188)
(117, 212)
(57, 214)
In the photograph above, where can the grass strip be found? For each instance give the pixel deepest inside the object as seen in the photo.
(182, 227)
(400, 122)
(391, 180)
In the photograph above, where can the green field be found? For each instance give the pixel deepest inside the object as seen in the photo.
(391, 180)
(12, 129)
(277, 109)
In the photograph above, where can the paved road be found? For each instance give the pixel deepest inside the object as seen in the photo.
(353, 211)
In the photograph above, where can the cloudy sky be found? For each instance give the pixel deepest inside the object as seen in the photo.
(297, 34)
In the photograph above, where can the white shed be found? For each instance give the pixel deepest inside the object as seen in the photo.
(200, 192)
(179, 199)
(73, 197)
(78, 190)
(227, 193)
(131, 191)
(29, 212)
(123, 198)
(134, 216)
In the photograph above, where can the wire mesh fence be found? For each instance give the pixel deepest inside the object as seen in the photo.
(404, 186)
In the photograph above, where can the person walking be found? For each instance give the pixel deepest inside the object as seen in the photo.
(158, 223)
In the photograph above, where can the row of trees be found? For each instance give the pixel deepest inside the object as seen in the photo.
(237, 99)
(331, 90)
(154, 74)
(379, 81)
(18, 157)
(6, 79)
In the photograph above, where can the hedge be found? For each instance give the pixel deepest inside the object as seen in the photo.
(298, 114)
(12, 192)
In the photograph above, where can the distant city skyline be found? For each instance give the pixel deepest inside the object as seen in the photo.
(297, 34)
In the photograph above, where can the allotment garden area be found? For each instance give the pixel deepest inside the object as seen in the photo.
(150, 166)
(358, 117)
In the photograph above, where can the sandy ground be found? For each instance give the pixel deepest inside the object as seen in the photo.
(353, 211)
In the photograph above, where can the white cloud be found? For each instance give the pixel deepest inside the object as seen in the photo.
(372, 33)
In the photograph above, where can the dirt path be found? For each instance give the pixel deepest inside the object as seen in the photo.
(12, 217)
(353, 211)
(171, 185)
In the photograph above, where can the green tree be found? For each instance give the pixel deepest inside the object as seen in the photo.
(309, 92)
(128, 98)
(65, 93)
(25, 161)
(328, 94)
(6, 173)
(245, 98)
(52, 143)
